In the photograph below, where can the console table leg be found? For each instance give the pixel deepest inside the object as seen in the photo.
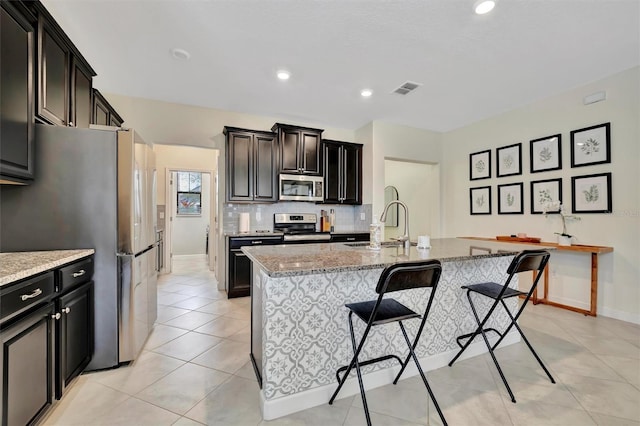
(594, 284)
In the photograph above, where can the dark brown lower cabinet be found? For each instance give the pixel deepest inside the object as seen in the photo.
(74, 346)
(239, 265)
(27, 359)
(239, 274)
(46, 339)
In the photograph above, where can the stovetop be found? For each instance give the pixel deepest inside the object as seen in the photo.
(294, 223)
(298, 227)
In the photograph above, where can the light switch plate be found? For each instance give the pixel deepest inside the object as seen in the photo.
(362, 216)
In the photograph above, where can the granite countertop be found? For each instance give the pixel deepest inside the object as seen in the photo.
(18, 265)
(289, 260)
(278, 234)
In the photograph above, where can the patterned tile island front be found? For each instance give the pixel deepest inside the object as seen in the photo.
(300, 335)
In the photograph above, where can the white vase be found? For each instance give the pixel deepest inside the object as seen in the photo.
(564, 241)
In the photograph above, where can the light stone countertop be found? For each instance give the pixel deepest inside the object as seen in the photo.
(256, 233)
(19, 265)
(291, 260)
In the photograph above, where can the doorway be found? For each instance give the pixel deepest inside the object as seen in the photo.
(191, 206)
(418, 186)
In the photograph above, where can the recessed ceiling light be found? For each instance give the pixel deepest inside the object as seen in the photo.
(365, 93)
(484, 6)
(284, 75)
(180, 54)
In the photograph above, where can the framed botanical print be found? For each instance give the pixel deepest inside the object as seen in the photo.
(591, 145)
(546, 196)
(480, 165)
(509, 159)
(546, 154)
(510, 199)
(591, 193)
(480, 200)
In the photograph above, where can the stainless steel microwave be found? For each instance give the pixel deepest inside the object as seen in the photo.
(300, 188)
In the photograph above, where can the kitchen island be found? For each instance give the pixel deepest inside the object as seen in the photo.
(300, 334)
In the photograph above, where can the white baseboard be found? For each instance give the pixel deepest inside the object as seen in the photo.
(272, 409)
(571, 302)
(619, 315)
(605, 312)
(189, 256)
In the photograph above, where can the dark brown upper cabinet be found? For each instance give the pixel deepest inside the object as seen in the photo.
(103, 113)
(17, 55)
(342, 172)
(252, 165)
(64, 76)
(81, 95)
(299, 149)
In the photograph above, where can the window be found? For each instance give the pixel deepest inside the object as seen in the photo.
(189, 193)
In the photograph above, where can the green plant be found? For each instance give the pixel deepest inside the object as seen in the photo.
(557, 206)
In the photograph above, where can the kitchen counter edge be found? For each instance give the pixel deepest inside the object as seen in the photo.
(318, 259)
(16, 266)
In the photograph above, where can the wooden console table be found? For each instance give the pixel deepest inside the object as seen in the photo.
(593, 250)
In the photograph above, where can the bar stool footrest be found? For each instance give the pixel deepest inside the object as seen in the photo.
(370, 361)
(466, 336)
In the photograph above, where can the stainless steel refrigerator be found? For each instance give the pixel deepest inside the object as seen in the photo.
(94, 189)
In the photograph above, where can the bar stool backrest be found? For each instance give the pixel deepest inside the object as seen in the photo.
(409, 275)
(529, 260)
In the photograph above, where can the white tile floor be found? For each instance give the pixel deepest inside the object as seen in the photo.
(195, 370)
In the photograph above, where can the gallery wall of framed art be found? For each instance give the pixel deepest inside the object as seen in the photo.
(590, 193)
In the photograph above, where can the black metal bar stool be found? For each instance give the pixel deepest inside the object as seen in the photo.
(528, 260)
(400, 276)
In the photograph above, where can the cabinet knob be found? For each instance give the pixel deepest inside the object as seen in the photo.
(66, 310)
(56, 316)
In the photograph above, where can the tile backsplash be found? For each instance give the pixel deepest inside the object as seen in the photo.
(348, 218)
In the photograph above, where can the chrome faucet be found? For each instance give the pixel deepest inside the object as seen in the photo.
(405, 237)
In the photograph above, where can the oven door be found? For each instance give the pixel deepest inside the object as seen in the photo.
(300, 188)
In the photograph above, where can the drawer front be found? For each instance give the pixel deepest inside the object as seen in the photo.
(75, 274)
(346, 238)
(236, 242)
(20, 297)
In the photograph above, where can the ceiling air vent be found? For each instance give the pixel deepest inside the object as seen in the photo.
(407, 88)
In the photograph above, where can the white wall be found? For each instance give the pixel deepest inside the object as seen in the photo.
(395, 142)
(176, 157)
(189, 232)
(364, 135)
(418, 186)
(619, 293)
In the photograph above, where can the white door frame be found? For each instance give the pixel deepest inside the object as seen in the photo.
(170, 212)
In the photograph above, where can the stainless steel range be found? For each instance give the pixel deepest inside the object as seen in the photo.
(298, 227)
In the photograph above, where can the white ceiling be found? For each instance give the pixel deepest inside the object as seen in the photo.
(471, 67)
